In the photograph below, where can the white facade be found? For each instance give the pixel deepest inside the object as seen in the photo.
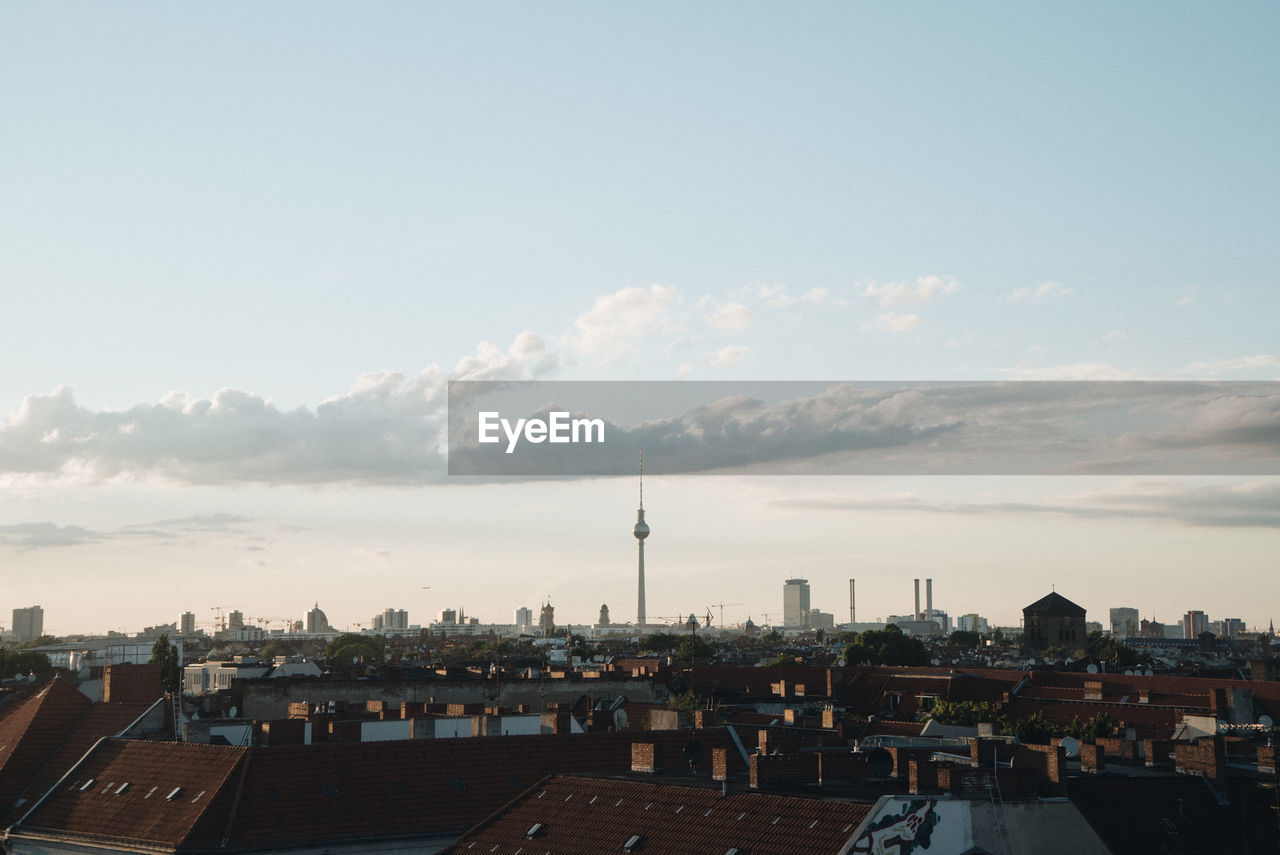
(795, 603)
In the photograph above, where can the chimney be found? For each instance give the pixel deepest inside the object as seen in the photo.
(928, 599)
(852, 614)
(915, 615)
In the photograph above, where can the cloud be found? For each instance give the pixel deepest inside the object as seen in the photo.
(777, 296)
(897, 322)
(985, 428)
(727, 317)
(46, 534)
(42, 535)
(1188, 297)
(387, 429)
(1248, 504)
(1261, 362)
(200, 522)
(1075, 371)
(1043, 291)
(727, 356)
(898, 294)
(614, 324)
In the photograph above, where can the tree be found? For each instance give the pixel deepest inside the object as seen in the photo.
(1033, 730)
(889, 646)
(21, 662)
(692, 647)
(1100, 725)
(278, 648)
(350, 647)
(659, 642)
(165, 654)
(964, 638)
(686, 701)
(962, 713)
(1108, 649)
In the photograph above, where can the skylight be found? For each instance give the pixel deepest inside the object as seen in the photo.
(173, 794)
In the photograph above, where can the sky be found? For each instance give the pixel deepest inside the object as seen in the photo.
(244, 248)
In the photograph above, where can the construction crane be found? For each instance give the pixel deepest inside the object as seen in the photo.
(719, 606)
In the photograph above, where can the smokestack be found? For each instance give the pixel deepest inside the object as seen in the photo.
(852, 613)
(915, 615)
(928, 599)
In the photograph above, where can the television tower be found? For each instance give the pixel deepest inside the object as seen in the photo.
(641, 531)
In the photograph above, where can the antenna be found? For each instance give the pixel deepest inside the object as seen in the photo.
(641, 479)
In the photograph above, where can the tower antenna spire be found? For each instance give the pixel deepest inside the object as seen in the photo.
(642, 479)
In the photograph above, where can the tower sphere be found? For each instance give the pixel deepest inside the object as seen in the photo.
(642, 530)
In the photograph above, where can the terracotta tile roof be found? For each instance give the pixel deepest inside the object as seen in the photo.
(140, 793)
(99, 720)
(586, 816)
(30, 733)
(310, 794)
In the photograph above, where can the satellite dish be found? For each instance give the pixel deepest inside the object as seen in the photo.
(1128, 673)
(1071, 746)
(1149, 673)
(879, 763)
(693, 752)
(620, 719)
(1266, 721)
(1092, 669)
(232, 712)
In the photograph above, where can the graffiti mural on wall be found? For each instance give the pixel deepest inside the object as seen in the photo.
(900, 834)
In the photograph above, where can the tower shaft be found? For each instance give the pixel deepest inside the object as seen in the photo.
(640, 617)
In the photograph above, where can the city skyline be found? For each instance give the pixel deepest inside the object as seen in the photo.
(248, 249)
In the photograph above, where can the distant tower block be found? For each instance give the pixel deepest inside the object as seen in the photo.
(641, 531)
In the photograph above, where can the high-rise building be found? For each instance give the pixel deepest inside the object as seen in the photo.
(317, 622)
(795, 603)
(1194, 622)
(188, 623)
(524, 620)
(604, 615)
(28, 623)
(547, 622)
(391, 620)
(449, 616)
(819, 619)
(235, 620)
(1125, 622)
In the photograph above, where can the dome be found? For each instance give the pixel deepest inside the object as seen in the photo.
(642, 530)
